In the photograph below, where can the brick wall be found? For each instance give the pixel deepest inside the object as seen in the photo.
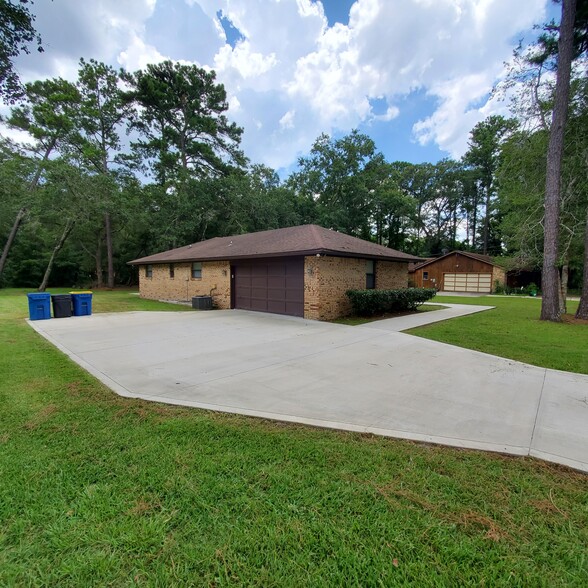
(215, 276)
(391, 275)
(498, 275)
(326, 279)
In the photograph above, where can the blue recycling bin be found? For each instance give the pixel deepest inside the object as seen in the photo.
(82, 303)
(39, 306)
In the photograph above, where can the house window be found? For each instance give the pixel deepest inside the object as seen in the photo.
(370, 274)
(149, 271)
(197, 270)
(172, 271)
(425, 275)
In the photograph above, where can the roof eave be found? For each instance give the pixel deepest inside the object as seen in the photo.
(305, 253)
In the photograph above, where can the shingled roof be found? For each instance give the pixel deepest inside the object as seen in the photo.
(301, 240)
(484, 258)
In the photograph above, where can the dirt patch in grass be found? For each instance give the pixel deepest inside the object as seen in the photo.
(469, 519)
(41, 417)
(142, 507)
(570, 319)
(143, 411)
(549, 507)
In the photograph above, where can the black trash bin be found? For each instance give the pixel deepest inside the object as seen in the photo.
(202, 302)
(61, 305)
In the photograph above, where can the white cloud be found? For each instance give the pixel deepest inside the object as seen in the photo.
(451, 122)
(452, 50)
(71, 29)
(287, 121)
(292, 76)
(138, 55)
(244, 61)
(391, 113)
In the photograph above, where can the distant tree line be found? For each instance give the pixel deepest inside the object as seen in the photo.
(124, 164)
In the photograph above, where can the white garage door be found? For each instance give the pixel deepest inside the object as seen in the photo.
(467, 282)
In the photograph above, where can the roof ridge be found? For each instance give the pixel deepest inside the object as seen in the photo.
(470, 254)
(316, 233)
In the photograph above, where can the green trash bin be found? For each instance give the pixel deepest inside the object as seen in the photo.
(82, 303)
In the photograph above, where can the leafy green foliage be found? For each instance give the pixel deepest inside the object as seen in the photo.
(337, 179)
(483, 156)
(182, 123)
(17, 33)
(373, 302)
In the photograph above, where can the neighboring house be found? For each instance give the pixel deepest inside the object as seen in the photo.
(458, 271)
(523, 277)
(301, 271)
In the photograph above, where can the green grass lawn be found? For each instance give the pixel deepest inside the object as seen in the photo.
(98, 490)
(513, 330)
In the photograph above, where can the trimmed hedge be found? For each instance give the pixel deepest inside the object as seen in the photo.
(373, 302)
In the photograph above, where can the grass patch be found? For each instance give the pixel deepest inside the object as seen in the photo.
(361, 320)
(513, 330)
(99, 490)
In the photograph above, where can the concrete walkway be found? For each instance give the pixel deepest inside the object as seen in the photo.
(410, 321)
(370, 378)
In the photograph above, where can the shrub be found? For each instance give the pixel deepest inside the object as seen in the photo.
(373, 302)
(531, 289)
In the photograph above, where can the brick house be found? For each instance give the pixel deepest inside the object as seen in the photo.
(300, 271)
(458, 271)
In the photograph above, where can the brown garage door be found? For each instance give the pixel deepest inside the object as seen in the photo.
(269, 285)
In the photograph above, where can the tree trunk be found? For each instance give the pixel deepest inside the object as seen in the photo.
(418, 239)
(23, 211)
(563, 288)
(109, 256)
(582, 312)
(98, 257)
(66, 232)
(487, 221)
(550, 310)
(474, 220)
(15, 226)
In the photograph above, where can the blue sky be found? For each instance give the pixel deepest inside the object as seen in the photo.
(415, 75)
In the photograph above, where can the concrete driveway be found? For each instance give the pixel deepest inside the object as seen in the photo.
(370, 378)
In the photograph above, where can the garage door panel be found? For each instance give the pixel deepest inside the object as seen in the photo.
(276, 294)
(270, 286)
(277, 282)
(278, 307)
(293, 296)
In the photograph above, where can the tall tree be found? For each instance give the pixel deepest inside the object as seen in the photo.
(550, 304)
(393, 209)
(101, 114)
(483, 155)
(183, 128)
(336, 175)
(47, 117)
(186, 141)
(582, 312)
